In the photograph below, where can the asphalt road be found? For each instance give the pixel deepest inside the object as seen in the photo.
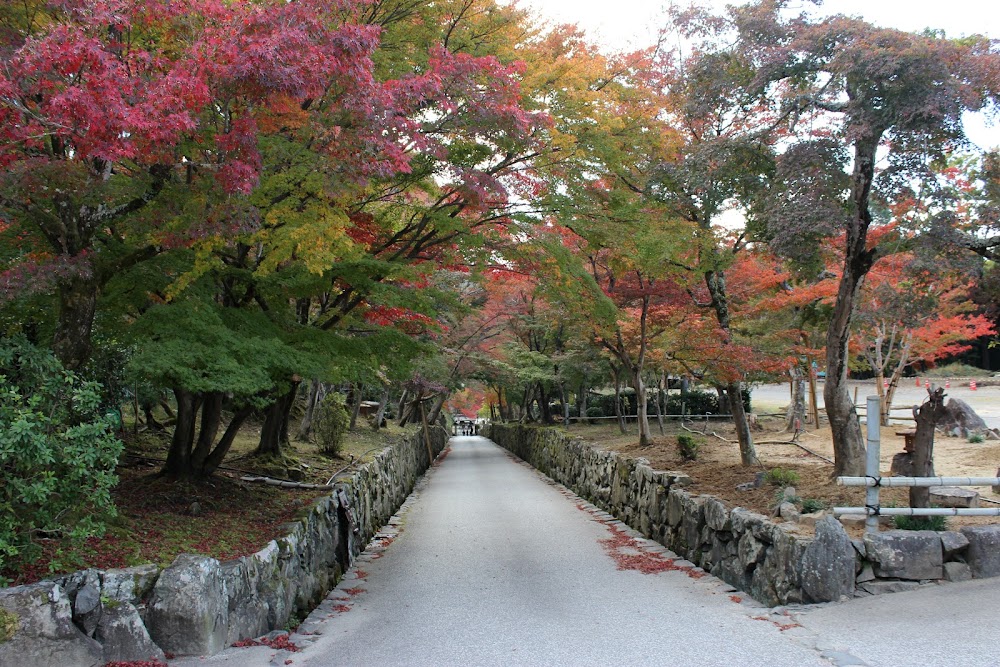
(490, 564)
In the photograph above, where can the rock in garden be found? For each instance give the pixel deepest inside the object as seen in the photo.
(983, 554)
(37, 622)
(124, 637)
(188, 611)
(951, 496)
(828, 565)
(905, 554)
(960, 415)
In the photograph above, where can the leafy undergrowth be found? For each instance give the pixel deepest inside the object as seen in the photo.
(222, 517)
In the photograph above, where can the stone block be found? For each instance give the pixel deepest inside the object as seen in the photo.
(828, 565)
(788, 512)
(952, 543)
(867, 574)
(750, 550)
(188, 612)
(124, 637)
(949, 496)
(44, 632)
(905, 554)
(983, 553)
(955, 571)
(131, 584)
(716, 514)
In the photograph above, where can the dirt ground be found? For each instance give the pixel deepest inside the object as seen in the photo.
(717, 471)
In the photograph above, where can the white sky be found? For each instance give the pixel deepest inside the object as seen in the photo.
(624, 24)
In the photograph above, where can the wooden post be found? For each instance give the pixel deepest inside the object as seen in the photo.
(812, 394)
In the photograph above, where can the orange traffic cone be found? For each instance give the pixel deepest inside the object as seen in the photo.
(885, 383)
(972, 385)
(918, 382)
(927, 384)
(947, 384)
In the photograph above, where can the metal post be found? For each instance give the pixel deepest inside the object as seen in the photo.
(874, 420)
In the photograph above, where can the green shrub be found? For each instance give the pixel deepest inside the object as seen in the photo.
(781, 477)
(331, 422)
(699, 402)
(811, 505)
(57, 453)
(920, 522)
(977, 438)
(688, 446)
(595, 412)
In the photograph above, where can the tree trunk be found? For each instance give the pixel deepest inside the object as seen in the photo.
(435, 411)
(656, 403)
(618, 402)
(581, 402)
(274, 432)
(543, 405)
(77, 305)
(564, 400)
(305, 427)
(211, 419)
(848, 442)
(178, 463)
(640, 408)
(795, 419)
(748, 455)
(927, 416)
(357, 390)
(383, 402)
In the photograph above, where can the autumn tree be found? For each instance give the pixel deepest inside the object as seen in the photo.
(865, 90)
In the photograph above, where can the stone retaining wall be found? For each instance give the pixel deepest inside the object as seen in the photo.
(197, 605)
(745, 549)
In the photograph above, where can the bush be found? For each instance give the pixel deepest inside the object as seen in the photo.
(920, 522)
(976, 438)
(699, 402)
(781, 477)
(688, 446)
(595, 412)
(811, 505)
(57, 453)
(331, 422)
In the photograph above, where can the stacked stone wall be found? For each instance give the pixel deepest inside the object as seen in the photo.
(746, 549)
(197, 605)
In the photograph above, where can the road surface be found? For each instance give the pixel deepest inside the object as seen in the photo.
(491, 564)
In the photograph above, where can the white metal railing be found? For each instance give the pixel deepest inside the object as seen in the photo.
(873, 481)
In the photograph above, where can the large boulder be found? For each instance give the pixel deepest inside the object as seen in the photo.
(37, 622)
(123, 635)
(188, 611)
(983, 553)
(905, 554)
(961, 419)
(828, 565)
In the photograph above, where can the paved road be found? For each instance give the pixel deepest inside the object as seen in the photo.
(494, 566)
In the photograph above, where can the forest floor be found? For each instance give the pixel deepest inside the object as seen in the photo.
(717, 470)
(223, 516)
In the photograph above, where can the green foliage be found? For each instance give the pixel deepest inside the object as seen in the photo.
(955, 370)
(688, 446)
(57, 453)
(595, 411)
(976, 438)
(331, 422)
(920, 522)
(812, 505)
(781, 477)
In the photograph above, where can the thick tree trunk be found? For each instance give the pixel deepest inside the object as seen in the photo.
(923, 444)
(848, 443)
(274, 431)
(435, 411)
(543, 405)
(211, 418)
(178, 463)
(77, 305)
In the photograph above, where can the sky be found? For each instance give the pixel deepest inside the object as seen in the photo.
(624, 24)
